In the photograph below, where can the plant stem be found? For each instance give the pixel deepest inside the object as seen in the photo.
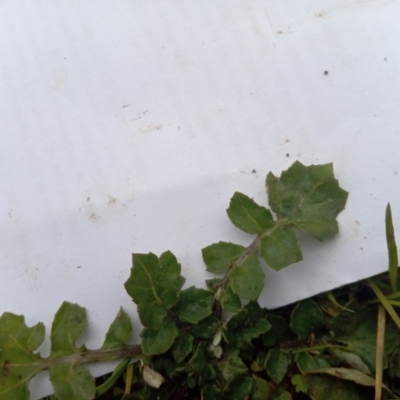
(134, 351)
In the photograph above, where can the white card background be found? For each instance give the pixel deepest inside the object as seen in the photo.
(127, 126)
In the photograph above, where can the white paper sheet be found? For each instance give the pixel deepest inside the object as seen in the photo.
(127, 126)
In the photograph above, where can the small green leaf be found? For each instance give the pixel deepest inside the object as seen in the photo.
(200, 364)
(182, 347)
(210, 392)
(220, 256)
(17, 360)
(306, 362)
(231, 365)
(248, 333)
(194, 305)
(277, 364)
(154, 285)
(247, 281)
(309, 197)
(119, 332)
(280, 248)
(247, 316)
(68, 325)
(284, 396)
(248, 216)
(206, 328)
(298, 381)
(306, 318)
(260, 390)
(239, 388)
(230, 301)
(279, 331)
(158, 341)
(70, 382)
(214, 284)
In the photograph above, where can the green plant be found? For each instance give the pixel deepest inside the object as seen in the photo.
(218, 342)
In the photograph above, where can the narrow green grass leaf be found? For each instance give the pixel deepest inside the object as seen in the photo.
(391, 311)
(392, 249)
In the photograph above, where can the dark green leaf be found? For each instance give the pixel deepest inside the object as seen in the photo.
(119, 332)
(279, 332)
(283, 396)
(210, 392)
(352, 375)
(230, 301)
(231, 365)
(194, 305)
(220, 256)
(239, 388)
(247, 316)
(277, 363)
(154, 285)
(321, 388)
(247, 281)
(206, 328)
(158, 341)
(200, 364)
(306, 362)
(245, 335)
(308, 197)
(260, 390)
(182, 347)
(17, 343)
(306, 318)
(248, 216)
(280, 248)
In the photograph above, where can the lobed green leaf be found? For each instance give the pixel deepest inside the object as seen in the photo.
(308, 197)
(154, 285)
(17, 360)
(69, 324)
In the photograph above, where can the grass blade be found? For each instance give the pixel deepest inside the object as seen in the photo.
(392, 249)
